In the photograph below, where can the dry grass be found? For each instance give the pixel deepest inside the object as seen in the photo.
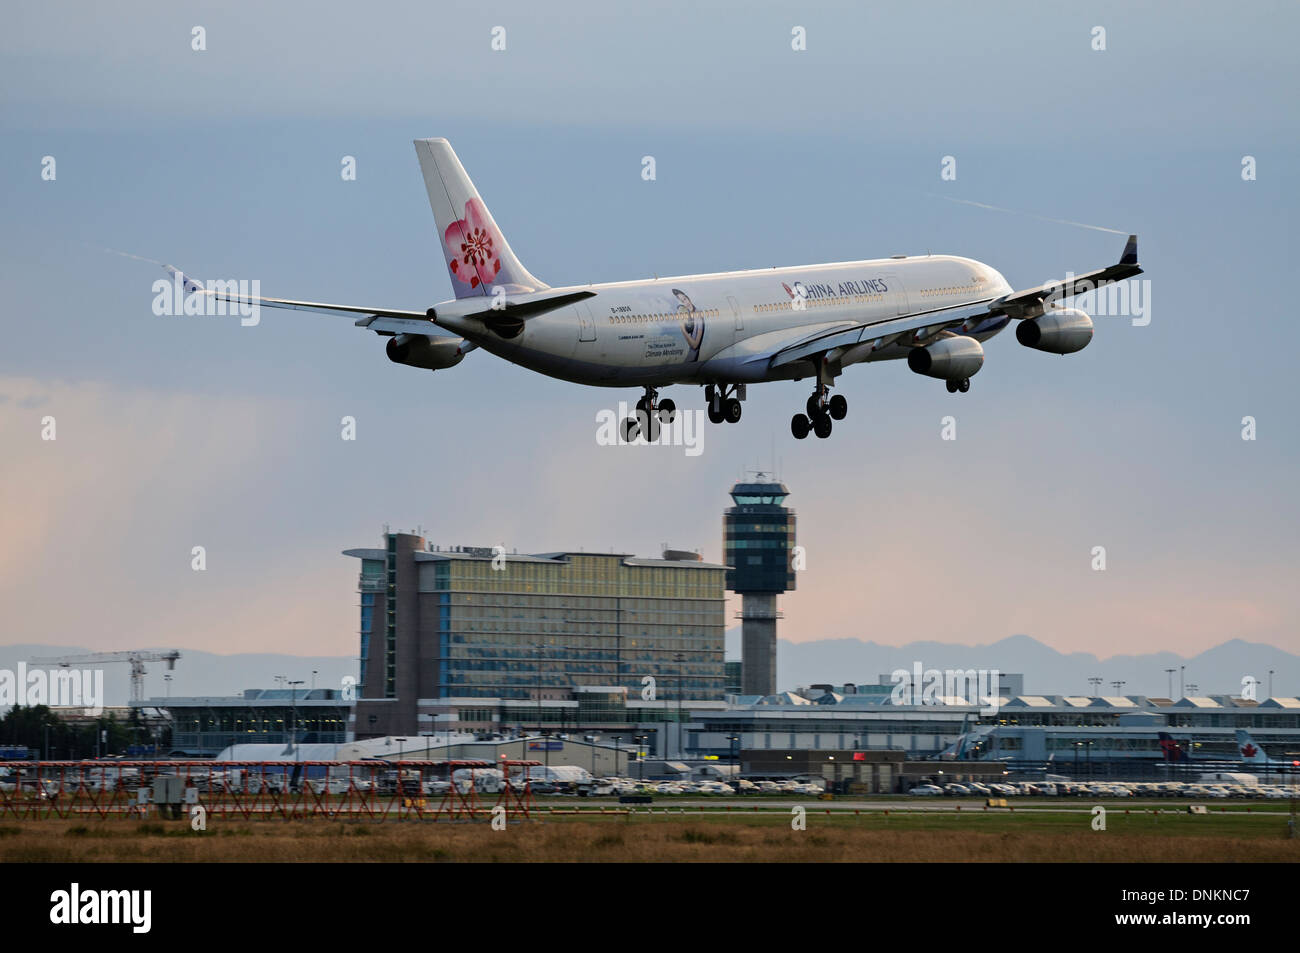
(660, 839)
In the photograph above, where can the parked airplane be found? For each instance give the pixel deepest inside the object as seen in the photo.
(1252, 754)
(1173, 750)
(722, 331)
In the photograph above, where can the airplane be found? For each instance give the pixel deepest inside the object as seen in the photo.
(1254, 755)
(721, 331)
(1173, 751)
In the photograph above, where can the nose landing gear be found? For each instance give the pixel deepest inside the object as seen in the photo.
(962, 385)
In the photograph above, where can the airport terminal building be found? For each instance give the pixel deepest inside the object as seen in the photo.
(444, 632)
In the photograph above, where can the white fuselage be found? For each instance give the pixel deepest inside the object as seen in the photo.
(720, 328)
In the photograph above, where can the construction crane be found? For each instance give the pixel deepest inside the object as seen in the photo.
(135, 659)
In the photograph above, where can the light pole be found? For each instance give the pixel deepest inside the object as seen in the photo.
(539, 646)
(733, 742)
(593, 739)
(1095, 681)
(616, 752)
(1270, 683)
(1170, 673)
(293, 714)
(681, 745)
(1118, 686)
(1182, 671)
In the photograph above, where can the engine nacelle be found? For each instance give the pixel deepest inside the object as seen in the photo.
(949, 359)
(420, 350)
(1059, 331)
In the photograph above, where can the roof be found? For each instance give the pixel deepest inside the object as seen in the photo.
(280, 751)
(252, 698)
(782, 698)
(760, 489)
(1280, 703)
(487, 554)
(674, 563)
(1029, 701)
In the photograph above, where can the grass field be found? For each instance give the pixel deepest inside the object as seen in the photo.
(737, 837)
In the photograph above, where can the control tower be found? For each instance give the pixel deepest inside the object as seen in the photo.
(757, 537)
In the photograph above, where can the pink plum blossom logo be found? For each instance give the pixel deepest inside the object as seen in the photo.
(471, 245)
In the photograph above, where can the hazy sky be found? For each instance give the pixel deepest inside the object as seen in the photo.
(178, 432)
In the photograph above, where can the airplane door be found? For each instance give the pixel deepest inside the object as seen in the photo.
(735, 311)
(897, 295)
(586, 324)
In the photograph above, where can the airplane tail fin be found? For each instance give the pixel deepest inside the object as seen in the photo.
(1173, 751)
(476, 252)
(1250, 752)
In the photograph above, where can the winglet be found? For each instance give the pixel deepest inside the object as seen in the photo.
(1130, 256)
(188, 283)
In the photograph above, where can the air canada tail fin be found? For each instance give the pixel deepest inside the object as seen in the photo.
(477, 254)
(1251, 753)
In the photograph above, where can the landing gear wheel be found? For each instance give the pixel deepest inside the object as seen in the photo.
(964, 384)
(630, 429)
(641, 406)
(799, 426)
(715, 416)
(813, 407)
(952, 386)
(822, 426)
(667, 411)
(731, 410)
(839, 407)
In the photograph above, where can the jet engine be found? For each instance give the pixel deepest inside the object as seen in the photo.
(1059, 331)
(950, 359)
(420, 350)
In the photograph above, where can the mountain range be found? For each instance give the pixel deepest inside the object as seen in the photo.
(1218, 670)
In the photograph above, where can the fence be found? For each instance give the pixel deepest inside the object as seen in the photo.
(251, 790)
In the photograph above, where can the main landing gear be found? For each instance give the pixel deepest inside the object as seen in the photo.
(723, 401)
(651, 412)
(820, 414)
(962, 385)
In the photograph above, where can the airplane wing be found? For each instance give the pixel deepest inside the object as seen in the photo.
(380, 320)
(1029, 303)
(507, 316)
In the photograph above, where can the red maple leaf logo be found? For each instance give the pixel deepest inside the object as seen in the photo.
(1249, 751)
